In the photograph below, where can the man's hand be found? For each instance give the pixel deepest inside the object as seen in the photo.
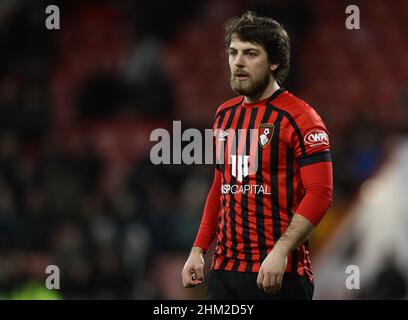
(273, 267)
(193, 271)
(272, 270)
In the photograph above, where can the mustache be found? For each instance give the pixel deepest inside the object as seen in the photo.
(240, 73)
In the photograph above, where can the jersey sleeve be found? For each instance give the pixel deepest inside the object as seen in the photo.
(309, 137)
(208, 226)
(317, 180)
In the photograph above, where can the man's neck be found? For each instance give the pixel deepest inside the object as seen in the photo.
(269, 90)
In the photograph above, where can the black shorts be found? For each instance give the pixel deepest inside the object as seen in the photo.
(227, 285)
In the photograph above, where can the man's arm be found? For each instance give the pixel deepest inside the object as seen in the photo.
(193, 271)
(298, 231)
(318, 182)
(208, 226)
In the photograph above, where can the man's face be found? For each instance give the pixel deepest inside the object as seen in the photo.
(250, 68)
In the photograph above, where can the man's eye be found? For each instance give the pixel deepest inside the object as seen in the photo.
(232, 53)
(251, 54)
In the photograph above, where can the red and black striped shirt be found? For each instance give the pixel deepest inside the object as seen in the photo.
(260, 149)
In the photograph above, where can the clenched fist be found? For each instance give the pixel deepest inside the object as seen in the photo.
(193, 271)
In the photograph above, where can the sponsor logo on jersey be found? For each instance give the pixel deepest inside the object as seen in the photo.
(222, 134)
(316, 138)
(245, 189)
(240, 166)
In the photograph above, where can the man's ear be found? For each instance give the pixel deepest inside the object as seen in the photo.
(274, 66)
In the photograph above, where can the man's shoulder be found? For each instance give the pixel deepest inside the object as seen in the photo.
(290, 103)
(229, 104)
(294, 106)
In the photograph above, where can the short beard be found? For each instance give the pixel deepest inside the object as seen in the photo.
(250, 87)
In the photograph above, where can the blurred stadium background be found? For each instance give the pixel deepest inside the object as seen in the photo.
(77, 106)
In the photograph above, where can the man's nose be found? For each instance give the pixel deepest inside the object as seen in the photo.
(239, 61)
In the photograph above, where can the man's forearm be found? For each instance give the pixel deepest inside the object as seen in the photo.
(298, 231)
(318, 181)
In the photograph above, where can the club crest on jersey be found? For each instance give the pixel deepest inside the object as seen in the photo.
(265, 134)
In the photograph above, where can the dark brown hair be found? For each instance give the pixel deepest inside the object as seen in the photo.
(266, 32)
